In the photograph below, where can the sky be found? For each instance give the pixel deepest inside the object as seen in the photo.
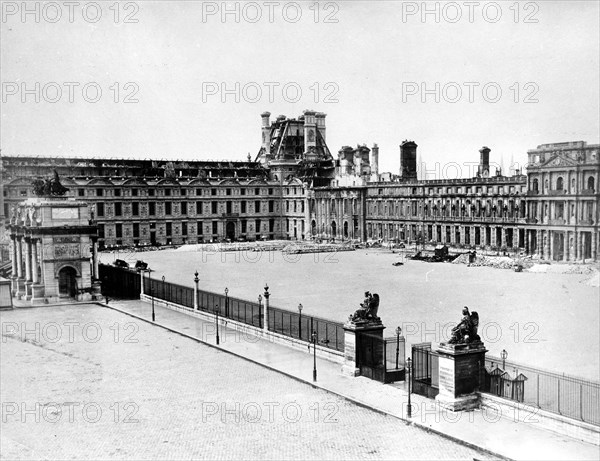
(182, 80)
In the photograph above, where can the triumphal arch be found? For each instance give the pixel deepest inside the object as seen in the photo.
(54, 249)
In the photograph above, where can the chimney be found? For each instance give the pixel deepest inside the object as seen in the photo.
(310, 131)
(375, 162)
(408, 160)
(484, 162)
(266, 131)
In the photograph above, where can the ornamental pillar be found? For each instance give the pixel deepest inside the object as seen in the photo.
(34, 260)
(20, 257)
(28, 259)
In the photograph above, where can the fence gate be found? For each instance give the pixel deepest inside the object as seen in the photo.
(425, 374)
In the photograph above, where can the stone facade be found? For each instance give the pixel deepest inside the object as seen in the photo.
(296, 189)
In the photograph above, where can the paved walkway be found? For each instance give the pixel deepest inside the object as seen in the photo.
(479, 428)
(87, 382)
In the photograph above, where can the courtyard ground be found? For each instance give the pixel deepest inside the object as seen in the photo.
(544, 320)
(87, 382)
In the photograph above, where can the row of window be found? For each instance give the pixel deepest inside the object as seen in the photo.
(437, 234)
(295, 206)
(456, 190)
(168, 192)
(185, 228)
(559, 185)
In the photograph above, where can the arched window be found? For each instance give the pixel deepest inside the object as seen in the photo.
(590, 183)
(535, 185)
(559, 183)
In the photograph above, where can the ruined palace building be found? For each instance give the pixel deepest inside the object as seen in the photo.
(295, 188)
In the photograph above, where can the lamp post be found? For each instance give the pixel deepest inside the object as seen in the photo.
(300, 321)
(503, 356)
(408, 368)
(163, 288)
(398, 333)
(314, 340)
(262, 315)
(152, 295)
(196, 280)
(226, 302)
(217, 321)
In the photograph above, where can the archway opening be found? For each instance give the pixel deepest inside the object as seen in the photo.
(67, 282)
(230, 231)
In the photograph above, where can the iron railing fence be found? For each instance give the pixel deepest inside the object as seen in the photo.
(424, 372)
(395, 350)
(228, 307)
(566, 395)
(295, 325)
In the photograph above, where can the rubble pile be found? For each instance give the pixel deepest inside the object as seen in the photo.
(593, 280)
(498, 262)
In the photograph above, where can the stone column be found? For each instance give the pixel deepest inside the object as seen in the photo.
(28, 281)
(529, 241)
(37, 288)
(551, 245)
(594, 246)
(28, 259)
(578, 245)
(14, 262)
(20, 257)
(547, 238)
(13, 242)
(96, 274)
(34, 261)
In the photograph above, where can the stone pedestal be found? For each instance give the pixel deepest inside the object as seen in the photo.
(97, 290)
(28, 290)
(21, 289)
(461, 368)
(37, 294)
(361, 341)
(14, 285)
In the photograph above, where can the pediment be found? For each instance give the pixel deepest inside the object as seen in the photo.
(135, 182)
(559, 161)
(258, 181)
(167, 182)
(100, 181)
